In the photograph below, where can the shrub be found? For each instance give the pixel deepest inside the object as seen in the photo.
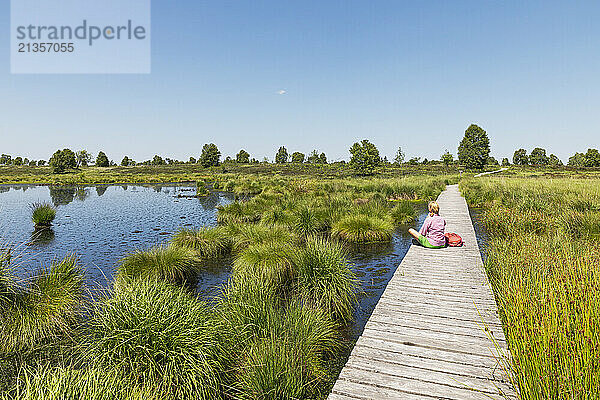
(42, 214)
(173, 264)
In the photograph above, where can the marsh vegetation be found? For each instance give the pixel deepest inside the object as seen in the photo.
(276, 328)
(542, 261)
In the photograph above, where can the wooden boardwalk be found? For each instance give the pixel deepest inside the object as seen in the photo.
(430, 335)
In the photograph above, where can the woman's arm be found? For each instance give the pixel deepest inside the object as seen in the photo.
(425, 228)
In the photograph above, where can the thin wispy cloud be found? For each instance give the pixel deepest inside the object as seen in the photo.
(281, 91)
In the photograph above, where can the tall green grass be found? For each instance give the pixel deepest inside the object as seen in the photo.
(543, 261)
(269, 263)
(207, 242)
(42, 214)
(45, 310)
(174, 264)
(360, 228)
(325, 279)
(152, 333)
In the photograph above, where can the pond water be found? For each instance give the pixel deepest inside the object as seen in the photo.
(101, 224)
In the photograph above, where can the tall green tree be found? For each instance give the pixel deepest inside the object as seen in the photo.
(282, 156)
(538, 157)
(447, 158)
(554, 161)
(322, 158)
(520, 157)
(399, 157)
(243, 157)
(62, 160)
(5, 159)
(83, 158)
(210, 156)
(102, 160)
(474, 148)
(577, 160)
(592, 158)
(18, 161)
(125, 161)
(364, 157)
(297, 157)
(313, 157)
(505, 162)
(158, 160)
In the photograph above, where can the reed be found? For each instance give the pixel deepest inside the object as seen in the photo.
(542, 260)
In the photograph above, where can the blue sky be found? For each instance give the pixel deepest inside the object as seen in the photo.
(400, 73)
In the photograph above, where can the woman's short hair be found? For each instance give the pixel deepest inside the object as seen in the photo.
(434, 207)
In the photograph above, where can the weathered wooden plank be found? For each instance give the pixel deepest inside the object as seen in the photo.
(439, 364)
(430, 335)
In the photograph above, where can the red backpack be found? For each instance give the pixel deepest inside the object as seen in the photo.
(454, 240)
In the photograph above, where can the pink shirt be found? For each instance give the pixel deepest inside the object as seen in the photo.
(433, 229)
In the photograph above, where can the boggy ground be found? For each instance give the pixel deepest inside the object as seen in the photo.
(544, 265)
(176, 173)
(274, 332)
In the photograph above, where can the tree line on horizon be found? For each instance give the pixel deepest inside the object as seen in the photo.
(473, 153)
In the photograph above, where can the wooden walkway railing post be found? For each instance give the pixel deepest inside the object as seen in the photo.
(430, 335)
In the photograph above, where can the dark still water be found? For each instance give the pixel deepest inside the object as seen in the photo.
(102, 224)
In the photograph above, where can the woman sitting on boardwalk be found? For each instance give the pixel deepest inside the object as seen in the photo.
(431, 234)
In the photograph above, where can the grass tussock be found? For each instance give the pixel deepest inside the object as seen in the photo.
(173, 264)
(404, 212)
(43, 214)
(325, 278)
(360, 228)
(268, 263)
(209, 243)
(46, 310)
(151, 332)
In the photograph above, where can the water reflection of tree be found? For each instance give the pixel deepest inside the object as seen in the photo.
(125, 187)
(4, 189)
(100, 190)
(61, 196)
(82, 193)
(41, 237)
